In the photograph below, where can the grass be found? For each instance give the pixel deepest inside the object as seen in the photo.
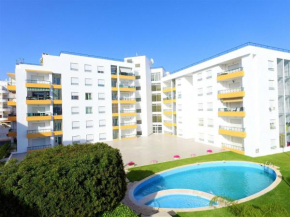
(280, 195)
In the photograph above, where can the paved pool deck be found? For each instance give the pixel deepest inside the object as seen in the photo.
(159, 147)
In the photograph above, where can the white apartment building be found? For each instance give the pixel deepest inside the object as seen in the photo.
(4, 109)
(238, 100)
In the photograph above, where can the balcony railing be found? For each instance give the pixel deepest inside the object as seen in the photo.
(237, 109)
(128, 111)
(230, 71)
(29, 148)
(126, 73)
(127, 98)
(11, 83)
(130, 123)
(233, 147)
(127, 136)
(12, 99)
(39, 131)
(239, 129)
(115, 124)
(12, 130)
(231, 90)
(38, 82)
(38, 98)
(126, 86)
(167, 110)
(39, 114)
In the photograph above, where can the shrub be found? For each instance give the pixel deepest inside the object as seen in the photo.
(4, 150)
(74, 180)
(120, 211)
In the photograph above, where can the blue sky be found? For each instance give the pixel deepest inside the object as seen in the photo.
(173, 33)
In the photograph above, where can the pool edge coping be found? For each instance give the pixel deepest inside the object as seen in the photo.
(253, 196)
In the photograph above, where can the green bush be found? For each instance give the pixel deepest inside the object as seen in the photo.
(120, 211)
(74, 180)
(4, 150)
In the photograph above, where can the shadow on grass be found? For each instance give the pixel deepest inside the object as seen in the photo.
(137, 175)
(286, 180)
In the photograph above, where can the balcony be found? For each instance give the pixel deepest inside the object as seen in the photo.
(234, 148)
(38, 133)
(38, 84)
(12, 133)
(232, 131)
(231, 74)
(11, 86)
(4, 109)
(36, 100)
(126, 88)
(169, 112)
(232, 93)
(39, 116)
(126, 75)
(37, 148)
(127, 100)
(169, 123)
(130, 125)
(169, 100)
(168, 89)
(131, 112)
(11, 102)
(232, 112)
(12, 117)
(131, 136)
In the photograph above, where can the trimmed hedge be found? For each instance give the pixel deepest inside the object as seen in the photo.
(74, 180)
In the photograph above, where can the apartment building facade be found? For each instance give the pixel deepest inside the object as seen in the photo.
(238, 101)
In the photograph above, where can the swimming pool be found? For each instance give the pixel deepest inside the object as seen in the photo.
(229, 179)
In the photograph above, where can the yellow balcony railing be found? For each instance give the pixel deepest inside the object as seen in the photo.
(231, 93)
(232, 131)
(235, 73)
(38, 133)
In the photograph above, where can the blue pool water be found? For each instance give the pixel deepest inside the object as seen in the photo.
(235, 180)
(179, 201)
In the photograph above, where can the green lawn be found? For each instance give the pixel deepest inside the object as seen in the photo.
(280, 195)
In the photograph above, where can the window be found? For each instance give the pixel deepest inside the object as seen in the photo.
(201, 137)
(102, 136)
(156, 107)
(200, 122)
(102, 123)
(210, 122)
(75, 96)
(155, 76)
(90, 138)
(138, 77)
(208, 74)
(101, 96)
(272, 105)
(272, 124)
(89, 110)
(75, 125)
(179, 107)
(114, 70)
(74, 81)
(101, 69)
(88, 68)
(200, 92)
(75, 110)
(199, 76)
(102, 109)
(88, 81)
(89, 124)
(76, 139)
(270, 65)
(179, 95)
(137, 65)
(101, 83)
(156, 97)
(138, 88)
(209, 106)
(156, 87)
(273, 144)
(271, 85)
(157, 118)
(129, 61)
(209, 90)
(200, 107)
(74, 66)
(210, 138)
(88, 96)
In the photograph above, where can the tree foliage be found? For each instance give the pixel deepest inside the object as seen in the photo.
(4, 150)
(75, 180)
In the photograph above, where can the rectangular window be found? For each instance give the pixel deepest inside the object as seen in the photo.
(101, 83)
(137, 65)
(102, 136)
(90, 138)
(155, 76)
(102, 109)
(75, 110)
(156, 107)
(271, 85)
(200, 107)
(89, 124)
(272, 124)
(273, 144)
(74, 66)
(201, 137)
(75, 96)
(270, 65)
(156, 87)
(138, 88)
(129, 61)
(179, 107)
(208, 74)
(102, 123)
(209, 106)
(179, 95)
(199, 76)
(101, 96)
(89, 110)
(210, 122)
(74, 81)
(209, 90)
(156, 97)
(200, 91)
(157, 118)
(210, 138)
(114, 70)
(75, 125)
(76, 139)
(88, 96)
(101, 69)
(88, 81)
(200, 122)
(88, 68)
